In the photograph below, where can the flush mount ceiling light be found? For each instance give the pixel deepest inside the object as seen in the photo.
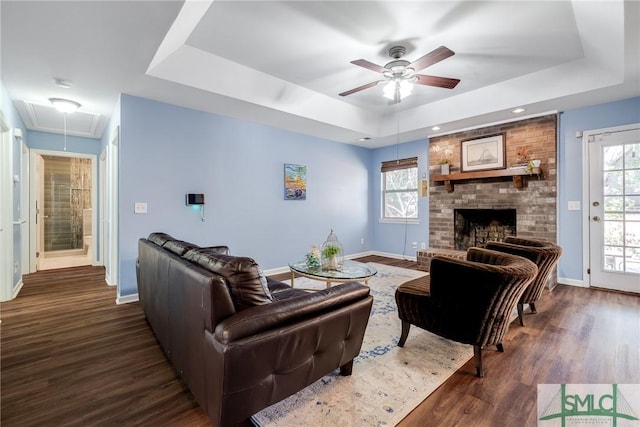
(518, 111)
(363, 139)
(435, 128)
(64, 105)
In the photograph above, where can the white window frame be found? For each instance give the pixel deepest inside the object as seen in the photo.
(384, 192)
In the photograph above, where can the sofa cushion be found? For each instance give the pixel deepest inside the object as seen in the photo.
(246, 281)
(179, 247)
(224, 250)
(160, 238)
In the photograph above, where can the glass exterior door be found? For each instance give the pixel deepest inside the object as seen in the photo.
(614, 210)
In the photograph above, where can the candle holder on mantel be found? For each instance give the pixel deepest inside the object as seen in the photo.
(332, 253)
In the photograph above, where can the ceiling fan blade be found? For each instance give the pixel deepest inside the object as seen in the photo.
(369, 65)
(359, 88)
(431, 58)
(436, 81)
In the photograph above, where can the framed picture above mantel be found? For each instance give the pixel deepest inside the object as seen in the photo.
(483, 153)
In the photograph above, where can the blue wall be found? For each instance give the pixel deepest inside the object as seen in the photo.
(54, 142)
(570, 182)
(168, 151)
(396, 238)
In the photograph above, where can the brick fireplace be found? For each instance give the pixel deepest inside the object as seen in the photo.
(534, 205)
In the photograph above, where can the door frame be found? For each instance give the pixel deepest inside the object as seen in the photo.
(587, 137)
(6, 211)
(35, 180)
(24, 201)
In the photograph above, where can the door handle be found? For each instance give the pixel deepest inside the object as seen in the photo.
(596, 218)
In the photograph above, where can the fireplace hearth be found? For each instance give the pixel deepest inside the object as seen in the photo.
(475, 227)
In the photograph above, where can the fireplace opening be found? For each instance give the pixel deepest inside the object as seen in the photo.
(475, 227)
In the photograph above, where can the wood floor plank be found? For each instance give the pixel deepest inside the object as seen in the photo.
(70, 356)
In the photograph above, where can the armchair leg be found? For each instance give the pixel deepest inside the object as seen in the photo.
(404, 334)
(500, 347)
(532, 306)
(520, 313)
(477, 356)
(347, 368)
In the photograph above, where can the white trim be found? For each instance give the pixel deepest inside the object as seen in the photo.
(108, 280)
(25, 211)
(6, 210)
(111, 257)
(396, 256)
(586, 244)
(17, 289)
(572, 282)
(127, 299)
(412, 221)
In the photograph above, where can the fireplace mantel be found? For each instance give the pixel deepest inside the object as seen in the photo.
(518, 175)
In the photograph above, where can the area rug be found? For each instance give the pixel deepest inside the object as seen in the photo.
(387, 381)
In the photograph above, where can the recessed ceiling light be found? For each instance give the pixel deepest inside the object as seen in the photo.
(518, 111)
(64, 105)
(435, 128)
(363, 139)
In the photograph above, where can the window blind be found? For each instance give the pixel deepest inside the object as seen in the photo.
(392, 165)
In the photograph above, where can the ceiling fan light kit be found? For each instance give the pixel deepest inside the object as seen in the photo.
(400, 75)
(396, 90)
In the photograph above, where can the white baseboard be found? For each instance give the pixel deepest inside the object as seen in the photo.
(572, 282)
(109, 281)
(396, 256)
(17, 288)
(127, 299)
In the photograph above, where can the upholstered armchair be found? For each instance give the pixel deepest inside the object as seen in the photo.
(470, 301)
(544, 254)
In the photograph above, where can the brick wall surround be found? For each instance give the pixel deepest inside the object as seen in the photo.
(535, 203)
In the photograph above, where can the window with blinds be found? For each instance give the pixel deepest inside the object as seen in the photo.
(400, 189)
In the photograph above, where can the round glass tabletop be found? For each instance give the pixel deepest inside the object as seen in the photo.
(351, 270)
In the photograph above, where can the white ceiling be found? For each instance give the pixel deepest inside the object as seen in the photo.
(284, 63)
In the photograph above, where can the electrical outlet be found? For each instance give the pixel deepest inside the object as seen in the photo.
(362, 240)
(423, 245)
(573, 205)
(414, 245)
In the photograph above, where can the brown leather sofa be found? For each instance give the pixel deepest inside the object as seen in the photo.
(240, 341)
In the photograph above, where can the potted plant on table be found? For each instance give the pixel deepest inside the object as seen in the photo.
(330, 254)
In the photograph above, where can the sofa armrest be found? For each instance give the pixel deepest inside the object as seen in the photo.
(265, 317)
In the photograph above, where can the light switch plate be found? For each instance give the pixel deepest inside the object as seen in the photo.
(140, 208)
(573, 205)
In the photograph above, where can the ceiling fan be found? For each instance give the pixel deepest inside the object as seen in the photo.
(400, 75)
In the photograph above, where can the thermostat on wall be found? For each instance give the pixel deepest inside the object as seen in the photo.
(195, 199)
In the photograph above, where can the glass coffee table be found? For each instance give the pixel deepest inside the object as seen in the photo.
(350, 271)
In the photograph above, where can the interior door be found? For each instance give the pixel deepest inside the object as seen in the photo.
(614, 209)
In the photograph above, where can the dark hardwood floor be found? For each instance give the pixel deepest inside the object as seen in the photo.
(70, 356)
